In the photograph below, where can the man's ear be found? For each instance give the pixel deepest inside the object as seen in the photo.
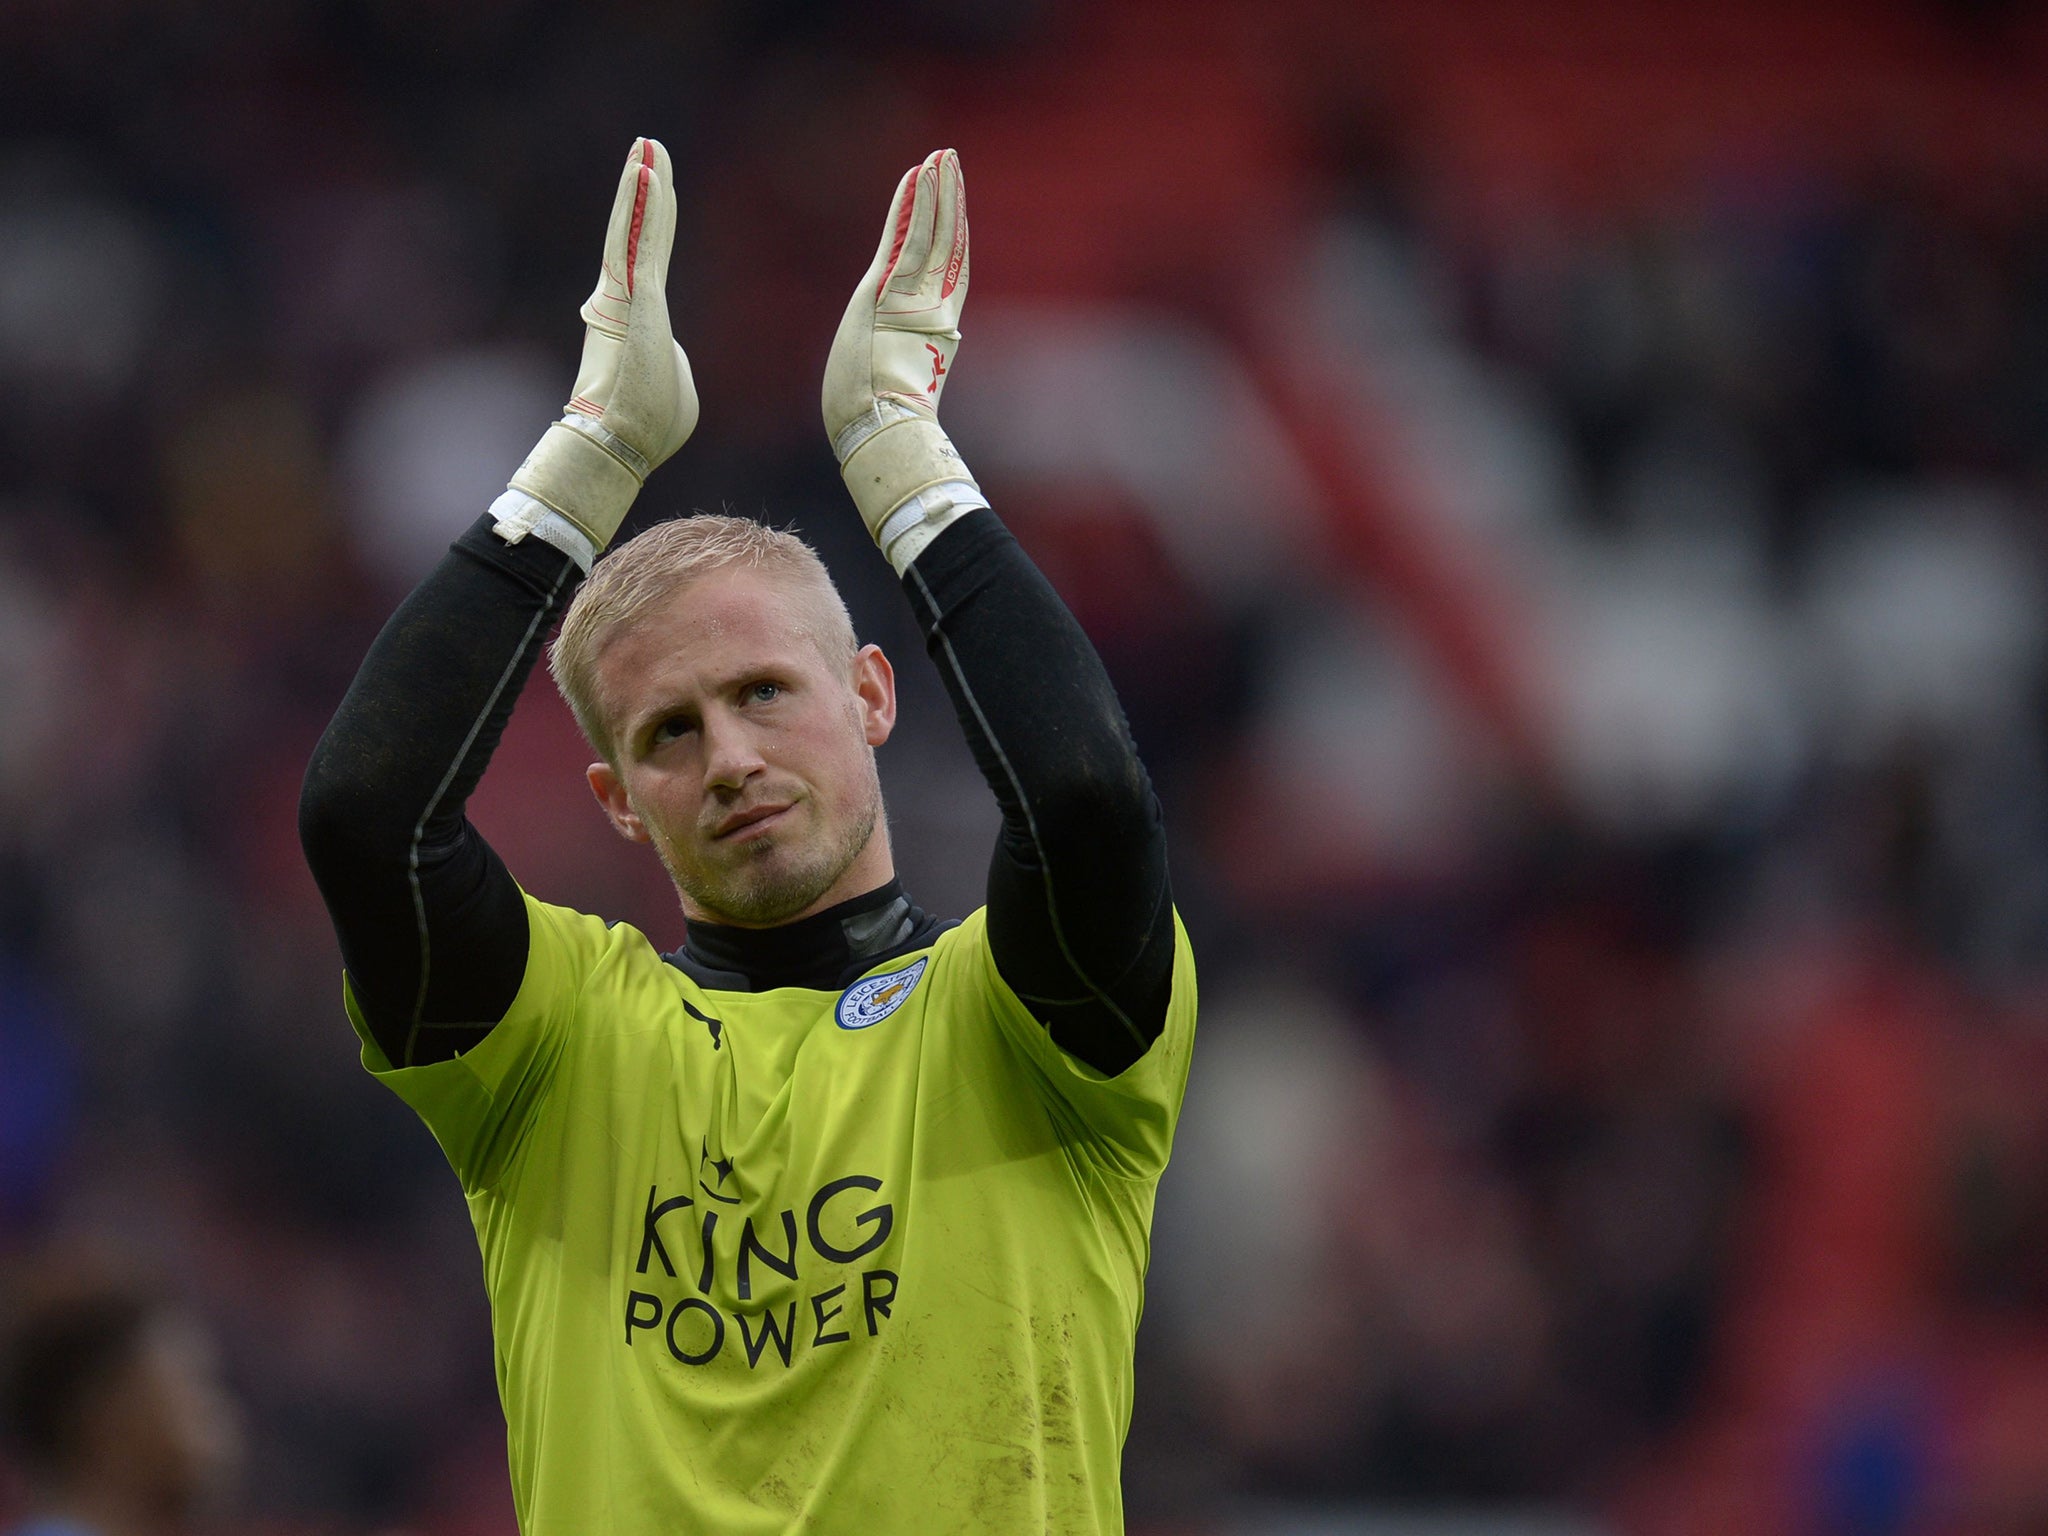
(611, 794)
(874, 682)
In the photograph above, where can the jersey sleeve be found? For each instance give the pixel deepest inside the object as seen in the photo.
(1125, 1120)
(481, 1104)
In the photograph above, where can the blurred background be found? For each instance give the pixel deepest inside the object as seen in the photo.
(1561, 486)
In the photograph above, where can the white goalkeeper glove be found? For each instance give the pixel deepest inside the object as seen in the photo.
(634, 404)
(889, 364)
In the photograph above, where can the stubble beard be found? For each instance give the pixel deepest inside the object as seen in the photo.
(776, 881)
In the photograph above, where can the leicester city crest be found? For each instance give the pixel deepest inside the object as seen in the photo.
(873, 1000)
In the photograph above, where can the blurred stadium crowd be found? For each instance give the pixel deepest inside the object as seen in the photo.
(1560, 489)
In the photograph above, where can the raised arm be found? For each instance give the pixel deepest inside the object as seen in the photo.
(432, 928)
(1079, 910)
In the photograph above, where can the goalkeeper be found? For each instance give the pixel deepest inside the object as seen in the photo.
(836, 1218)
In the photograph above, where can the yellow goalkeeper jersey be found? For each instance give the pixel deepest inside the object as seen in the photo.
(867, 1260)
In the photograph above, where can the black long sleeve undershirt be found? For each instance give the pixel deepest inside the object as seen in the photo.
(1080, 916)
(432, 929)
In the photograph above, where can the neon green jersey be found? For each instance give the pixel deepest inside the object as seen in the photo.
(864, 1261)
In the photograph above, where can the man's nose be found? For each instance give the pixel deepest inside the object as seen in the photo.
(731, 755)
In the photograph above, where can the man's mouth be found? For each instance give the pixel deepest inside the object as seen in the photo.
(754, 820)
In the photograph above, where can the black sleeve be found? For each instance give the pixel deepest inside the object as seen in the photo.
(1080, 918)
(432, 928)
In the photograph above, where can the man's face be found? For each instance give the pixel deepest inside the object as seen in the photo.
(745, 752)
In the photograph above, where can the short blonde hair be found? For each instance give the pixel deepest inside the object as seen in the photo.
(652, 566)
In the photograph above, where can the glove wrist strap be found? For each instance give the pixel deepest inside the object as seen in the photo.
(515, 515)
(884, 412)
(581, 478)
(909, 530)
(907, 479)
(632, 458)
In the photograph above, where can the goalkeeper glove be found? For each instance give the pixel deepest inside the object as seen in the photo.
(634, 403)
(889, 364)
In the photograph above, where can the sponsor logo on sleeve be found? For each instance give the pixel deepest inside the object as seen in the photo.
(867, 1003)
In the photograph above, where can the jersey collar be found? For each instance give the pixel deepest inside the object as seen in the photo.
(827, 950)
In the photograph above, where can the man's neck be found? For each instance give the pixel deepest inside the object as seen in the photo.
(826, 950)
(873, 867)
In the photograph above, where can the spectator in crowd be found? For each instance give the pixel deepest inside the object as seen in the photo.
(117, 1413)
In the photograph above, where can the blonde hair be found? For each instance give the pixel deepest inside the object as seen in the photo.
(654, 565)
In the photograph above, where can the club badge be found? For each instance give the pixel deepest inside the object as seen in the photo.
(868, 1002)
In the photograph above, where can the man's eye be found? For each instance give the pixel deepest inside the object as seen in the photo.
(761, 693)
(670, 729)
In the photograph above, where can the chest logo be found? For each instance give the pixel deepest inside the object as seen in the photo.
(868, 1002)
